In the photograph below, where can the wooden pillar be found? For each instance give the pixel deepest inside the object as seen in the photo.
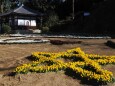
(0, 24)
(30, 21)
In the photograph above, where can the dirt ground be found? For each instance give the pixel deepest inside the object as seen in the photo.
(13, 55)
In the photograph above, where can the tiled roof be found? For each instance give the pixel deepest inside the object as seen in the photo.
(23, 10)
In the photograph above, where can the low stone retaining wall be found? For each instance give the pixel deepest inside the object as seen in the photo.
(22, 41)
(60, 36)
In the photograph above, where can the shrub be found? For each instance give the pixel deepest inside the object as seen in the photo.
(59, 42)
(6, 28)
(45, 29)
(56, 42)
(110, 43)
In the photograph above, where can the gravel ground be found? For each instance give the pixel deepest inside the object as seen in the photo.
(12, 55)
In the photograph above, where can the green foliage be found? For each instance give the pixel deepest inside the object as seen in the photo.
(41, 5)
(52, 20)
(6, 28)
(6, 5)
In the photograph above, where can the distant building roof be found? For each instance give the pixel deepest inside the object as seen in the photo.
(22, 10)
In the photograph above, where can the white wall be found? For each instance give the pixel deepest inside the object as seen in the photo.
(22, 22)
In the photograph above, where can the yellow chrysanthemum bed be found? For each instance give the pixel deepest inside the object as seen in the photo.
(85, 65)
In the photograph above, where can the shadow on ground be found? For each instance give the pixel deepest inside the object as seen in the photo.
(30, 58)
(83, 81)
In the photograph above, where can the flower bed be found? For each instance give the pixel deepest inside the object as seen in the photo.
(85, 65)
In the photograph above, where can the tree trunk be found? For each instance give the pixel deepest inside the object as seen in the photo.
(73, 10)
